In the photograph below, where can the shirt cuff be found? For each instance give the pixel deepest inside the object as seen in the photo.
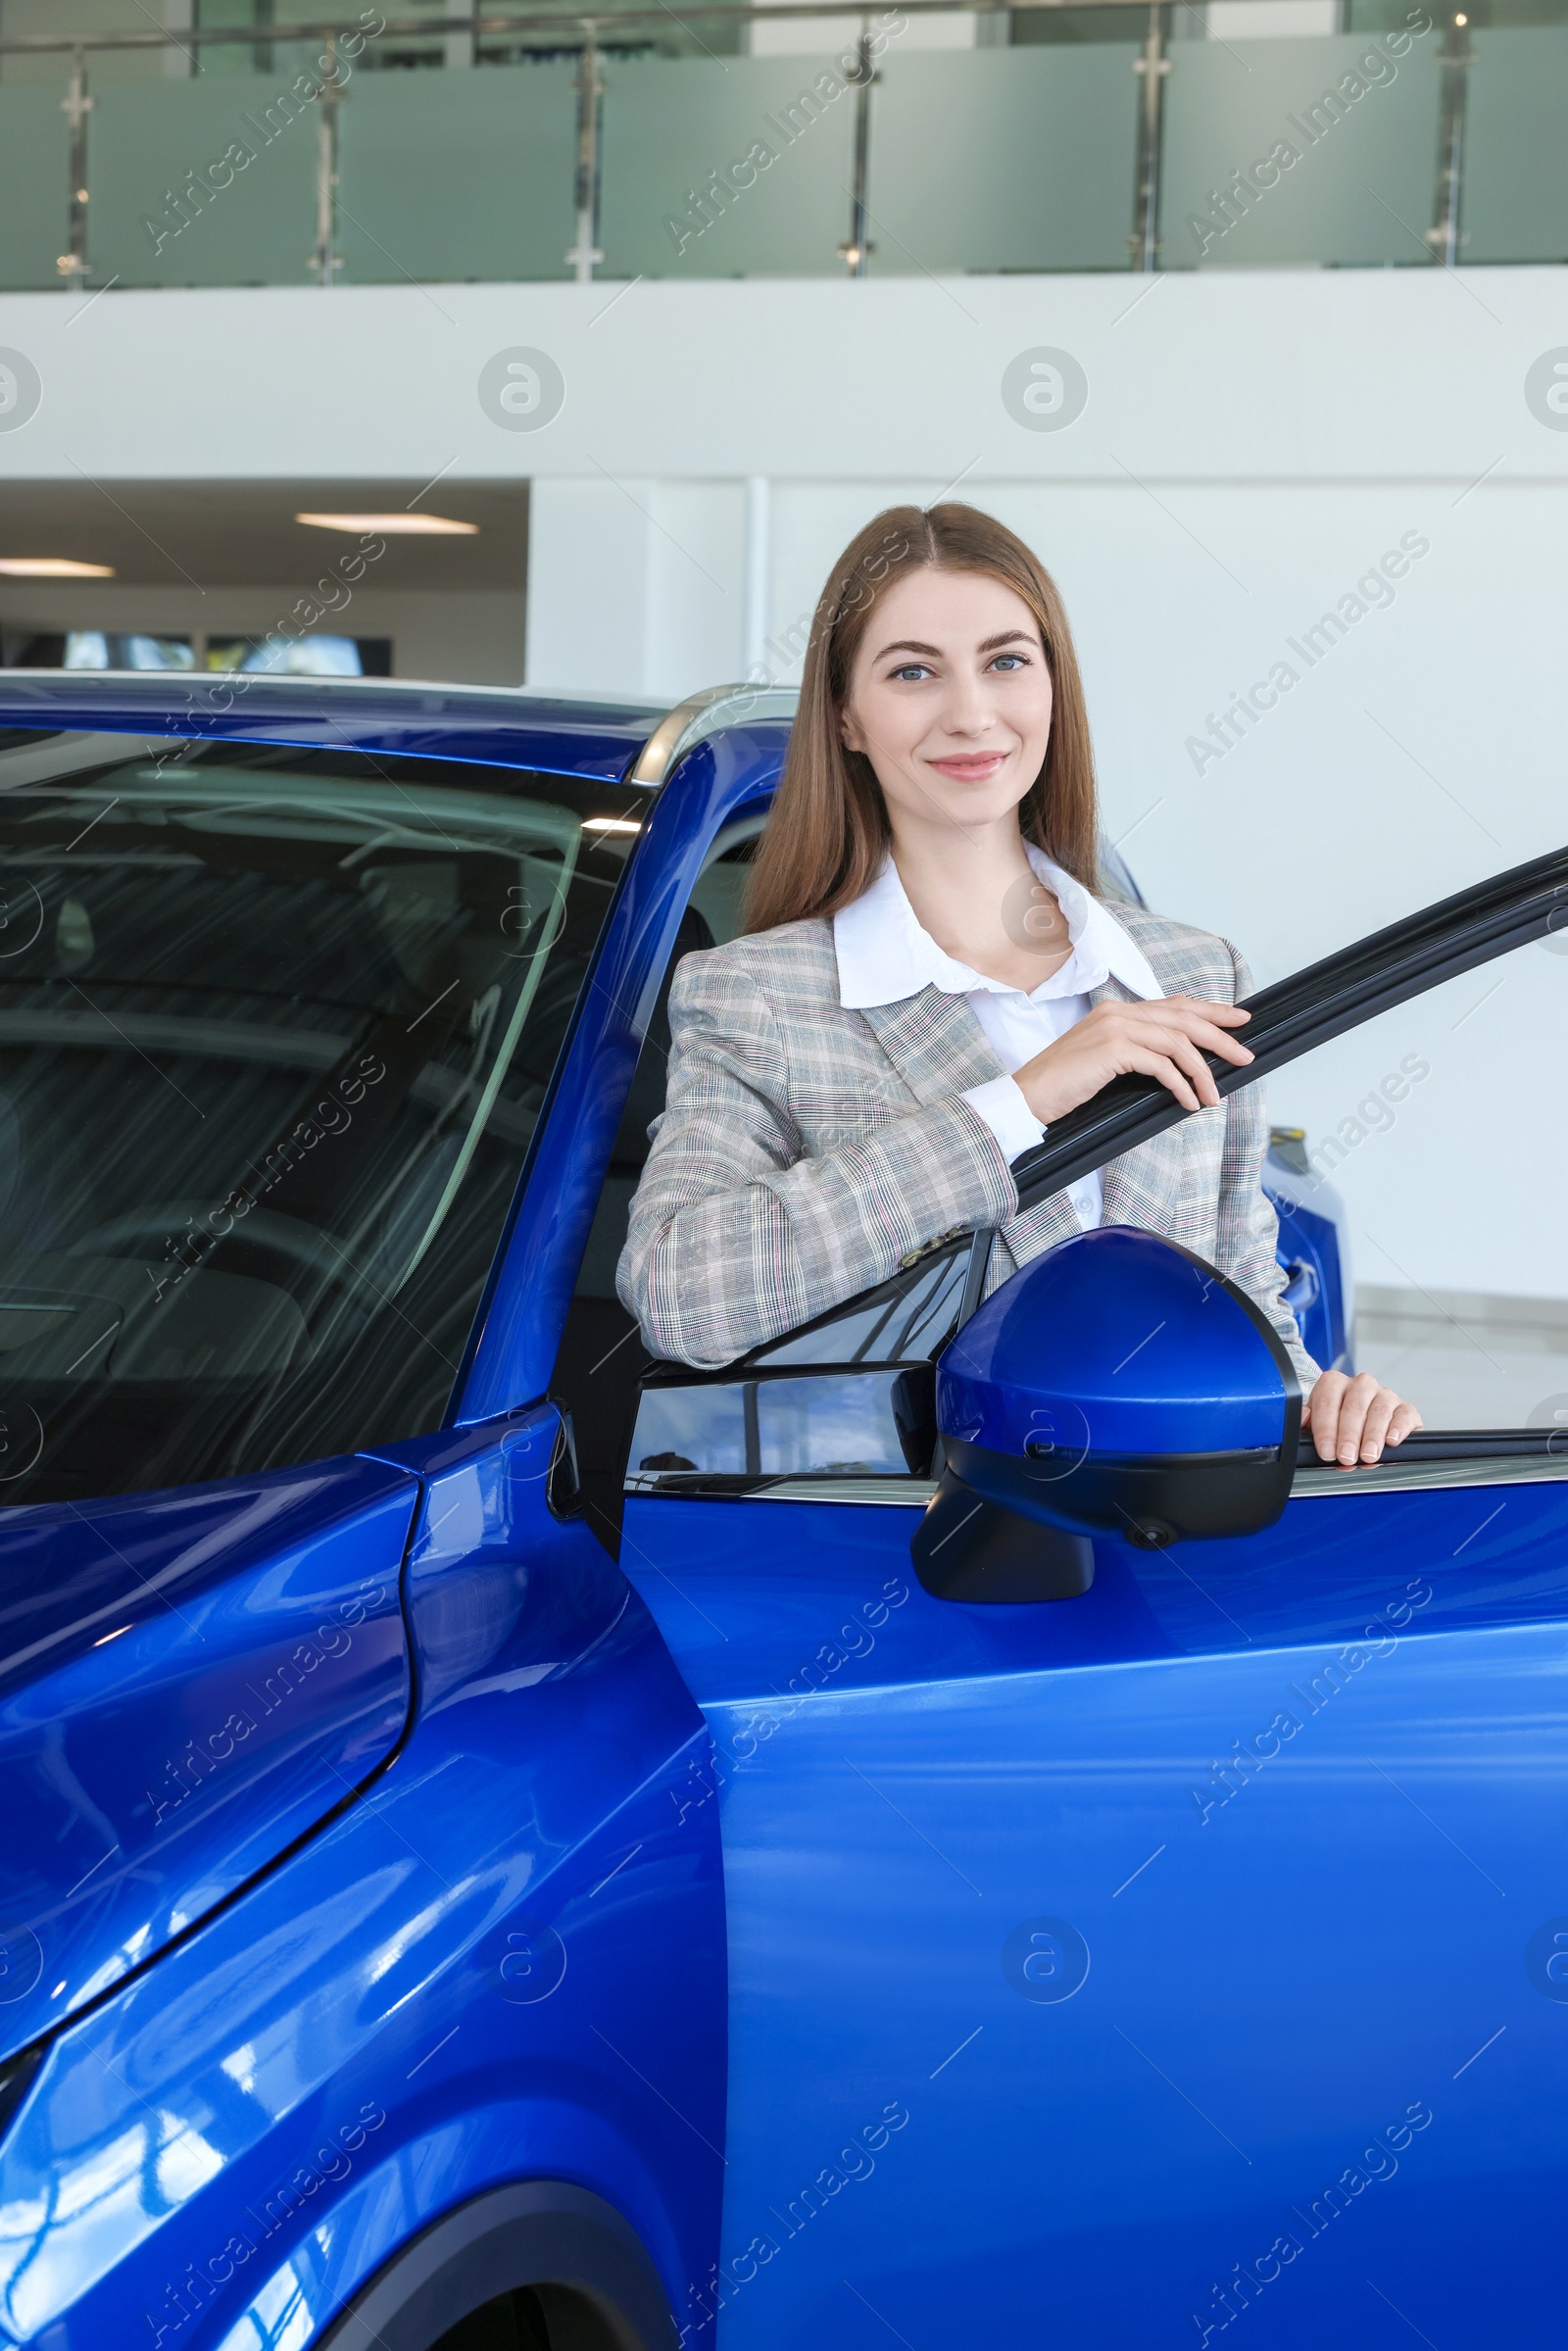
(1000, 1103)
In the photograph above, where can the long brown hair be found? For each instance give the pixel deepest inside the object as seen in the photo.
(829, 833)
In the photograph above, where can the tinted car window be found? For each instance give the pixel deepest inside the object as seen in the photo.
(276, 1027)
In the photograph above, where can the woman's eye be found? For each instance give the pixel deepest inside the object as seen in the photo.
(1009, 661)
(912, 673)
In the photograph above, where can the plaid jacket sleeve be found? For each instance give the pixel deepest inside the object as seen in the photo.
(743, 1228)
(1248, 1228)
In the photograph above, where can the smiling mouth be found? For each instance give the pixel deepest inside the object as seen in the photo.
(972, 766)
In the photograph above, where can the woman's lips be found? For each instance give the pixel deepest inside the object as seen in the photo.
(969, 768)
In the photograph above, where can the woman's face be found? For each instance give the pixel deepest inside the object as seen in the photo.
(950, 699)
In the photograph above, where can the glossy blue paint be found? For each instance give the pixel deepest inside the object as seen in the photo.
(1113, 1342)
(1314, 1248)
(499, 728)
(1296, 1799)
(505, 1960)
(189, 1681)
(518, 1325)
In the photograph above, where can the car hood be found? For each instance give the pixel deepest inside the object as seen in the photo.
(189, 1681)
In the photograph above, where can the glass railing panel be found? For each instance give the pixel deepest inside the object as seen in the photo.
(276, 64)
(730, 168)
(35, 156)
(32, 19)
(202, 183)
(1275, 153)
(456, 175)
(1334, 139)
(998, 159)
(1515, 188)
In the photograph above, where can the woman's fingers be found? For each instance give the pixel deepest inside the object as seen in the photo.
(1353, 1420)
(1375, 1426)
(1204, 1025)
(1356, 1401)
(1165, 1039)
(1226, 1015)
(1187, 1056)
(1320, 1414)
(1150, 1064)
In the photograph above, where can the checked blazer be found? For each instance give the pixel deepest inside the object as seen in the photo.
(807, 1150)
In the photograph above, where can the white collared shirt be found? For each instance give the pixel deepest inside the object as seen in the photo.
(884, 956)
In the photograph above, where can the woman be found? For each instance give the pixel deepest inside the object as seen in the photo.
(928, 982)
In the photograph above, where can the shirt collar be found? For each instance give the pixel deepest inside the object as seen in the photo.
(884, 956)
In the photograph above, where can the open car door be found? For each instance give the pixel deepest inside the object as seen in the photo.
(1111, 1965)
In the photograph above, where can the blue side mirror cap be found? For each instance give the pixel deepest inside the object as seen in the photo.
(1117, 1386)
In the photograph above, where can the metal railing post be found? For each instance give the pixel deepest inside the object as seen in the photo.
(856, 248)
(76, 106)
(1445, 235)
(1153, 65)
(324, 260)
(585, 253)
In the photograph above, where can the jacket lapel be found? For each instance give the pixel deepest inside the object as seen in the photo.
(934, 1043)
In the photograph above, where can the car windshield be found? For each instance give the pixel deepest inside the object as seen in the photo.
(275, 1028)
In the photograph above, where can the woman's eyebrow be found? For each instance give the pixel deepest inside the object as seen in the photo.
(1008, 636)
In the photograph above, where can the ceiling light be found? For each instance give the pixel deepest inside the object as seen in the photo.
(403, 524)
(611, 824)
(52, 567)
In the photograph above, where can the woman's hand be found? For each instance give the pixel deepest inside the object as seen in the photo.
(1166, 1039)
(1351, 1420)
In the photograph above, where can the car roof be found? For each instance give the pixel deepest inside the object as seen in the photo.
(605, 737)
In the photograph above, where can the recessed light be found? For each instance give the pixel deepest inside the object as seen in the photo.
(611, 824)
(52, 567)
(404, 526)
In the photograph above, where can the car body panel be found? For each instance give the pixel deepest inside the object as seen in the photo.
(500, 728)
(190, 1680)
(1289, 1935)
(1314, 1251)
(510, 1950)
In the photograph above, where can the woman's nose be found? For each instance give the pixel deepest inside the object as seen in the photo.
(966, 708)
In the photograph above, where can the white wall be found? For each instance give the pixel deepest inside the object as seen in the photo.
(1251, 444)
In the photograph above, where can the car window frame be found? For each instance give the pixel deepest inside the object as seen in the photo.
(1291, 1017)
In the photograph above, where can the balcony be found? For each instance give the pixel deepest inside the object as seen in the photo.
(549, 148)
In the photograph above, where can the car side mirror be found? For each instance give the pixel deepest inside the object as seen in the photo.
(1117, 1386)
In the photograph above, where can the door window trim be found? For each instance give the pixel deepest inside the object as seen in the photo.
(1312, 1007)
(1290, 1018)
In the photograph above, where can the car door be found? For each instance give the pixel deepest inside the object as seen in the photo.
(1116, 1968)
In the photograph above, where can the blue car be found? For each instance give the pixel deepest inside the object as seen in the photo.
(511, 1846)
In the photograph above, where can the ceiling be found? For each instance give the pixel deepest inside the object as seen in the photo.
(229, 534)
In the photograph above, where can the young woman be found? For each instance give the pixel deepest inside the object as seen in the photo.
(929, 980)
